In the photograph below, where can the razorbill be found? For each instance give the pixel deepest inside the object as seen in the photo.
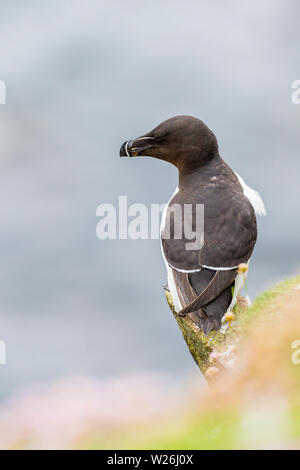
(204, 282)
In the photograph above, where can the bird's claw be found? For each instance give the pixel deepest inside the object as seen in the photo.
(182, 314)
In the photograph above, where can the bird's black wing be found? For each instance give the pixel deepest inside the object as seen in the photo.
(230, 233)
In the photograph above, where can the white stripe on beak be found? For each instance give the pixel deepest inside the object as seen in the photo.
(142, 138)
(126, 149)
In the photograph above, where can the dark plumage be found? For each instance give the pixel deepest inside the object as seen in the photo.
(230, 229)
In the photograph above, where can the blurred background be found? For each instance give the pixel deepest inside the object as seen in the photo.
(83, 77)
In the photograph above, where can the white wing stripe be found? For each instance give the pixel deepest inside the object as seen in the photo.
(253, 196)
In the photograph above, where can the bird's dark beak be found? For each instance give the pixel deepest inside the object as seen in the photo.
(126, 149)
(133, 148)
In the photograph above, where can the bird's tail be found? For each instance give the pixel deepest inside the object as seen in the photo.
(204, 322)
(220, 281)
(209, 316)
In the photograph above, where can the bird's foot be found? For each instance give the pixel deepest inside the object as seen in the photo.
(181, 314)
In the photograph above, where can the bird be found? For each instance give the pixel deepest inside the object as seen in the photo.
(204, 280)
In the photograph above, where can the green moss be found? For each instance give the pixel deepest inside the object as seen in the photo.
(267, 302)
(201, 346)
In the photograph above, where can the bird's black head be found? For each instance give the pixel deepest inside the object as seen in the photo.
(184, 141)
